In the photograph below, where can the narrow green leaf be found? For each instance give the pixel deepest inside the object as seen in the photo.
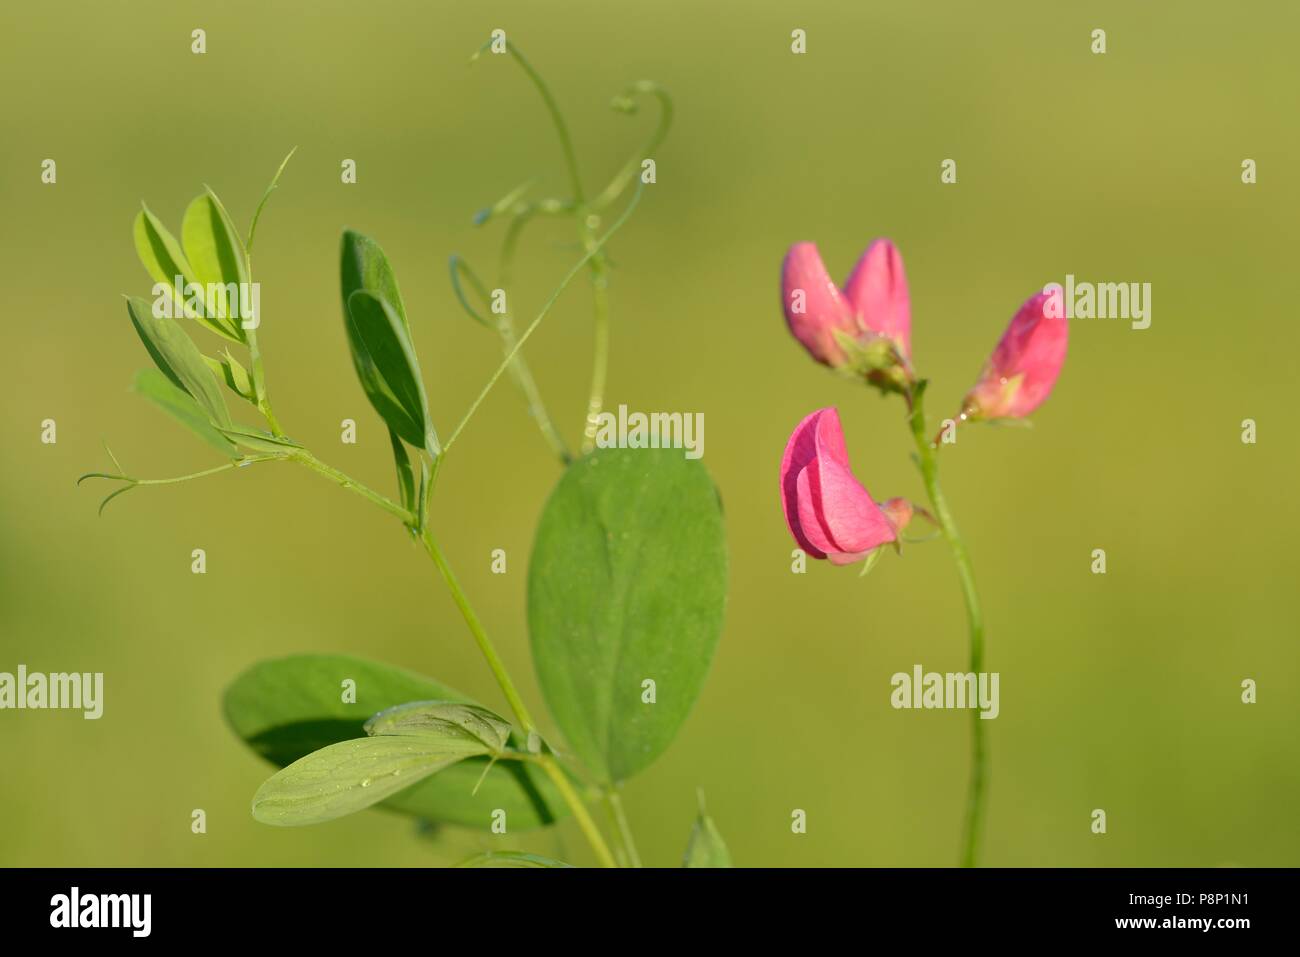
(159, 252)
(444, 719)
(258, 440)
(626, 585)
(706, 847)
(511, 859)
(178, 403)
(352, 775)
(286, 708)
(405, 473)
(229, 370)
(387, 367)
(257, 213)
(212, 245)
(178, 358)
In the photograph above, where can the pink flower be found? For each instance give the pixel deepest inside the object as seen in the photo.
(828, 511)
(872, 307)
(1022, 370)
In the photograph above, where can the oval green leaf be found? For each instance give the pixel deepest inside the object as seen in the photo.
(286, 708)
(352, 775)
(626, 584)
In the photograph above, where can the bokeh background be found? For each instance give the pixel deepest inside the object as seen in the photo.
(1119, 691)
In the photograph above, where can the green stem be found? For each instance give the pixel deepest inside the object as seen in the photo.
(480, 635)
(557, 118)
(523, 377)
(580, 813)
(498, 668)
(975, 801)
(621, 827)
(600, 351)
(303, 457)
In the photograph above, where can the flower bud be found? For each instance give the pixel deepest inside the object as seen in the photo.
(864, 328)
(1022, 370)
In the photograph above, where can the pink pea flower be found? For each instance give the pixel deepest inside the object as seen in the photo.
(828, 511)
(1022, 370)
(872, 310)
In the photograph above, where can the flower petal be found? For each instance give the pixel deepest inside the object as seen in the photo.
(877, 294)
(814, 306)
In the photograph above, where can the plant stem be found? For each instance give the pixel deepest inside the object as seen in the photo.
(600, 351)
(975, 801)
(480, 635)
(621, 827)
(303, 457)
(528, 386)
(548, 763)
(580, 813)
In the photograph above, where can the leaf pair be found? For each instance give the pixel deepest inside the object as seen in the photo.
(379, 335)
(289, 708)
(210, 255)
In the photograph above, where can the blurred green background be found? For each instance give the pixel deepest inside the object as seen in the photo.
(1118, 692)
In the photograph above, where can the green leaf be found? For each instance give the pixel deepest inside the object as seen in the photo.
(164, 260)
(444, 719)
(215, 253)
(706, 847)
(352, 775)
(388, 369)
(179, 359)
(405, 473)
(157, 388)
(259, 441)
(511, 859)
(364, 266)
(626, 584)
(159, 252)
(229, 370)
(289, 707)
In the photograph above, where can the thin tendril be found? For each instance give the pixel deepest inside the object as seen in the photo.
(627, 104)
(532, 327)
